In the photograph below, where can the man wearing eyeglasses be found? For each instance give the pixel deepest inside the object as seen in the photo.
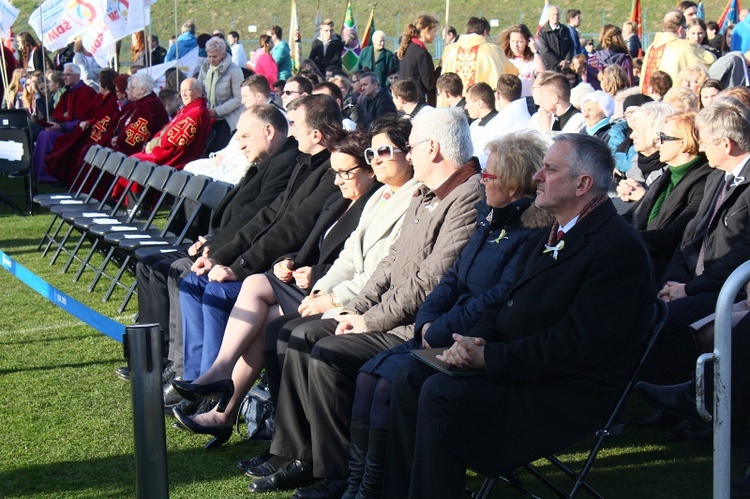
(76, 105)
(318, 376)
(295, 88)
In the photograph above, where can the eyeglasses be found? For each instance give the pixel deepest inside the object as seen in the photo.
(666, 138)
(488, 176)
(705, 143)
(68, 74)
(290, 92)
(410, 147)
(383, 153)
(345, 174)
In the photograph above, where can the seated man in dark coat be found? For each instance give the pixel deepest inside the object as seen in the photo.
(374, 101)
(262, 133)
(558, 352)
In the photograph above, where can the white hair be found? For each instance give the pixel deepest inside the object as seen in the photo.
(216, 44)
(143, 80)
(449, 127)
(73, 67)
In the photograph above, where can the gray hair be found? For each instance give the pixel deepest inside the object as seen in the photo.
(216, 44)
(188, 26)
(73, 67)
(378, 33)
(449, 127)
(649, 118)
(143, 80)
(589, 155)
(725, 117)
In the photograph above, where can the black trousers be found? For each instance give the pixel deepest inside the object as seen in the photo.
(153, 275)
(275, 341)
(672, 359)
(318, 379)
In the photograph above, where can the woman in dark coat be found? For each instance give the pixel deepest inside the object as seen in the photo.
(481, 275)
(673, 199)
(416, 61)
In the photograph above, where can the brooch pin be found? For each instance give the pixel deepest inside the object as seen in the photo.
(503, 235)
(737, 181)
(554, 249)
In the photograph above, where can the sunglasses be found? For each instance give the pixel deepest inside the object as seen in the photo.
(290, 92)
(383, 153)
(410, 147)
(666, 138)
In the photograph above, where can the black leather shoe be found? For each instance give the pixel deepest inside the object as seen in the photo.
(224, 389)
(171, 397)
(123, 372)
(655, 418)
(221, 434)
(267, 467)
(327, 488)
(678, 400)
(168, 374)
(292, 475)
(187, 407)
(246, 464)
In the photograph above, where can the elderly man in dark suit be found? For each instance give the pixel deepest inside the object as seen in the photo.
(716, 242)
(555, 356)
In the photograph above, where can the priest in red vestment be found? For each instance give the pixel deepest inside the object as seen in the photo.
(76, 105)
(184, 138)
(64, 162)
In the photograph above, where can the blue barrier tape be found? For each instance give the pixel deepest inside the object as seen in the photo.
(101, 323)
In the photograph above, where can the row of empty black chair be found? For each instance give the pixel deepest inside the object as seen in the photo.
(116, 231)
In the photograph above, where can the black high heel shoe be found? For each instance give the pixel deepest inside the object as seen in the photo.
(221, 434)
(224, 389)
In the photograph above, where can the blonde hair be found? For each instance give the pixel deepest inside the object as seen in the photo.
(685, 129)
(682, 99)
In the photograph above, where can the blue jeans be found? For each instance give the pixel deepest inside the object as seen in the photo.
(205, 311)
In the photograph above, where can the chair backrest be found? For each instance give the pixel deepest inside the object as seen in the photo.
(112, 165)
(177, 182)
(15, 150)
(192, 191)
(96, 165)
(14, 118)
(214, 193)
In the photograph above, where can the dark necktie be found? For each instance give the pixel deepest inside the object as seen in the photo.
(699, 266)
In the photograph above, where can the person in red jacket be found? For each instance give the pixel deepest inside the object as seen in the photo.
(76, 105)
(181, 140)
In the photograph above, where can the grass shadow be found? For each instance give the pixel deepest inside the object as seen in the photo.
(59, 366)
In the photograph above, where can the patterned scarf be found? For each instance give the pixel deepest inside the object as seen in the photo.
(552, 240)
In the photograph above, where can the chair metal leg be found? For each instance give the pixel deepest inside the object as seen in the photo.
(128, 294)
(101, 269)
(53, 238)
(46, 235)
(85, 261)
(74, 253)
(116, 280)
(61, 246)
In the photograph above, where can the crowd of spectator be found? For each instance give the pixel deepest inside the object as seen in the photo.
(496, 206)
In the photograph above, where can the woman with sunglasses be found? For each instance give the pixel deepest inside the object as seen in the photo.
(673, 199)
(284, 290)
(481, 275)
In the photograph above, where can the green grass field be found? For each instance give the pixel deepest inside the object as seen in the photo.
(66, 417)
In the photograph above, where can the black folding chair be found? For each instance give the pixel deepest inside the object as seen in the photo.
(121, 167)
(164, 179)
(211, 196)
(613, 426)
(93, 162)
(15, 155)
(144, 174)
(63, 202)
